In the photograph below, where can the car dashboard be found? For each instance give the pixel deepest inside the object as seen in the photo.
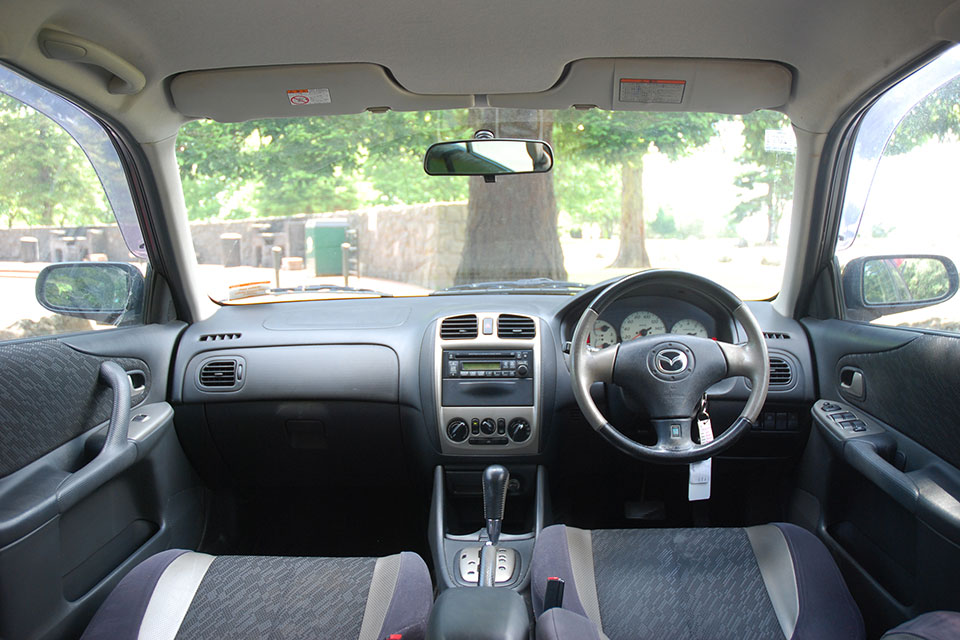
(290, 392)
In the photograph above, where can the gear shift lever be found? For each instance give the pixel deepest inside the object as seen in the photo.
(495, 480)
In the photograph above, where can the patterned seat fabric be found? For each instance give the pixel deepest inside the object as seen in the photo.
(772, 581)
(182, 595)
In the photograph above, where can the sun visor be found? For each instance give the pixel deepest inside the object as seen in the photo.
(662, 84)
(235, 95)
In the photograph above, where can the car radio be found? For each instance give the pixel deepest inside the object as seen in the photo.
(488, 364)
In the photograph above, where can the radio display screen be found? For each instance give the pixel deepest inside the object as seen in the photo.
(480, 366)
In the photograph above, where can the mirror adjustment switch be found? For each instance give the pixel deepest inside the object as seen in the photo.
(830, 407)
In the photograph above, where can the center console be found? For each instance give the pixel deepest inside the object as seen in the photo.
(488, 385)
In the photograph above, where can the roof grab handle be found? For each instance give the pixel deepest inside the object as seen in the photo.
(57, 45)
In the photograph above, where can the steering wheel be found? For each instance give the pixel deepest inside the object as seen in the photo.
(669, 373)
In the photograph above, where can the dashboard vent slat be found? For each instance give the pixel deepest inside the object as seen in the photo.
(776, 335)
(781, 373)
(459, 328)
(514, 327)
(209, 337)
(218, 374)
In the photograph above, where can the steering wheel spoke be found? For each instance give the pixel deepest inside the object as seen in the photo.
(741, 359)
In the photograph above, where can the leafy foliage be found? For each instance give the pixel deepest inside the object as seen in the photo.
(937, 116)
(45, 178)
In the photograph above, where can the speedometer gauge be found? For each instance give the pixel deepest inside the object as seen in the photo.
(689, 327)
(602, 335)
(641, 323)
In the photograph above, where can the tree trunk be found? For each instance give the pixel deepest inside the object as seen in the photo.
(512, 223)
(633, 231)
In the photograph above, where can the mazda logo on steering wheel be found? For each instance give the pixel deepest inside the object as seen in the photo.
(671, 361)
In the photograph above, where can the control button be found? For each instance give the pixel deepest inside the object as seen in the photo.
(501, 426)
(457, 430)
(846, 415)
(519, 430)
(854, 424)
(522, 369)
(781, 423)
(488, 426)
(488, 326)
(475, 426)
(830, 407)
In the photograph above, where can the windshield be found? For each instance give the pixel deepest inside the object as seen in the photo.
(341, 206)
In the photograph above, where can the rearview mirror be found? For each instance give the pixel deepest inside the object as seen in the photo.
(875, 286)
(488, 157)
(106, 292)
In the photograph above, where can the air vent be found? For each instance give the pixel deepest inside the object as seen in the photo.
(781, 373)
(513, 327)
(220, 374)
(459, 328)
(210, 337)
(773, 335)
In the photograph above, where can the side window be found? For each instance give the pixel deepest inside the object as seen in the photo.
(899, 240)
(71, 253)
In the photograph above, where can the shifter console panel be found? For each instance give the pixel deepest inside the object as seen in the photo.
(469, 565)
(488, 384)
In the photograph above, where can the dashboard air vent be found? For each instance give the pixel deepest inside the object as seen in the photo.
(781, 373)
(513, 327)
(459, 328)
(220, 374)
(776, 335)
(209, 337)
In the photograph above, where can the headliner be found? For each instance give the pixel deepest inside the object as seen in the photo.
(837, 49)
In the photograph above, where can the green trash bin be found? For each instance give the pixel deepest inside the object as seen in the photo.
(323, 240)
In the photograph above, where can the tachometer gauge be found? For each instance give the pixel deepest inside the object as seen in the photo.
(602, 335)
(641, 323)
(690, 327)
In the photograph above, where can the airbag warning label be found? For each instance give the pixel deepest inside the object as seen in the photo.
(301, 97)
(652, 91)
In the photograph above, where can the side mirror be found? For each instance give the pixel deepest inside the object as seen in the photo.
(875, 286)
(488, 157)
(106, 292)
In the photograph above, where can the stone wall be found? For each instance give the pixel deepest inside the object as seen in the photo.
(416, 244)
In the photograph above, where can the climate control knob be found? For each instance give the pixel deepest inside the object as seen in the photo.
(488, 426)
(519, 430)
(458, 430)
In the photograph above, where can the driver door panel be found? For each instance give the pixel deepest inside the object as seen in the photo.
(888, 500)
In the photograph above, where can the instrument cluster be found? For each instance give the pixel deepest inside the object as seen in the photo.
(649, 315)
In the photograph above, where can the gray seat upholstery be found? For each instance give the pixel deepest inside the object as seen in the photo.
(935, 625)
(769, 581)
(184, 595)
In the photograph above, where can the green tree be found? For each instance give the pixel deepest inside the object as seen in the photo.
(395, 143)
(770, 174)
(589, 192)
(45, 178)
(622, 139)
(937, 116)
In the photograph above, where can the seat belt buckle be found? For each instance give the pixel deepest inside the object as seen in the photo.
(394, 636)
(553, 596)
